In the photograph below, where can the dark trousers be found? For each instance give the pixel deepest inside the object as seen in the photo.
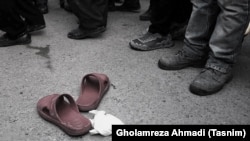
(41, 2)
(15, 15)
(129, 2)
(91, 13)
(167, 12)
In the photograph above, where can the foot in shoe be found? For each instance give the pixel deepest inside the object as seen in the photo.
(80, 33)
(210, 81)
(32, 28)
(6, 41)
(181, 60)
(151, 41)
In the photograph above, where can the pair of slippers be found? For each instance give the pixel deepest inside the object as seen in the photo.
(63, 111)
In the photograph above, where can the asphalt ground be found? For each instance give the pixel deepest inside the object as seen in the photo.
(140, 93)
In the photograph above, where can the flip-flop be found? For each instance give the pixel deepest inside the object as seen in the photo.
(93, 88)
(62, 111)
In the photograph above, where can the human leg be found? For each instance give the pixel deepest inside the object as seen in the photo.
(31, 14)
(182, 14)
(158, 34)
(130, 6)
(199, 30)
(12, 24)
(225, 44)
(92, 15)
(42, 5)
(147, 14)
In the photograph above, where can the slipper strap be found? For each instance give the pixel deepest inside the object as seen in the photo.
(55, 100)
(102, 80)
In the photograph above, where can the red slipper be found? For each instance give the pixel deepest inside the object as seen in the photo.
(93, 88)
(62, 111)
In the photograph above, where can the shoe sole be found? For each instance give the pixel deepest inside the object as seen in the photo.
(200, 92)
(135, 47)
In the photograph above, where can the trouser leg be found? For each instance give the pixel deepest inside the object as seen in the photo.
(41, 2)
(131, 2)
(183, 10)
(226, 40)
(162, 15)
(30, 12)
(200, 27)
(152, 2)
(91, 13)
(10, 20)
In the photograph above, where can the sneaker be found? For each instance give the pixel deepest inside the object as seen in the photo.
(181, 60)
(151, 41)
(210, 81)
(23, 38)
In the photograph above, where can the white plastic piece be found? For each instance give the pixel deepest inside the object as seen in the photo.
(102, 123)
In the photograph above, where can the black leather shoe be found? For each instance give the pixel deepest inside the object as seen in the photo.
(23, 38)
(85, 33)
(32, 28)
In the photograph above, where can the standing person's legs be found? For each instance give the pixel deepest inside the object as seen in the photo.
(10, 21)
(147, 14)
(225, 44)
(65, 5)
(199, 30)
(130, 6)
(162, 15)
(183, 11)
(111, 5)
(228, 34)
(33, 17)
(42, 5)
(182, 14)
(12, 24)
(92, 15)
(200, 27)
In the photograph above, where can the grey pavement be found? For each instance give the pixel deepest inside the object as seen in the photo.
(141, 93)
